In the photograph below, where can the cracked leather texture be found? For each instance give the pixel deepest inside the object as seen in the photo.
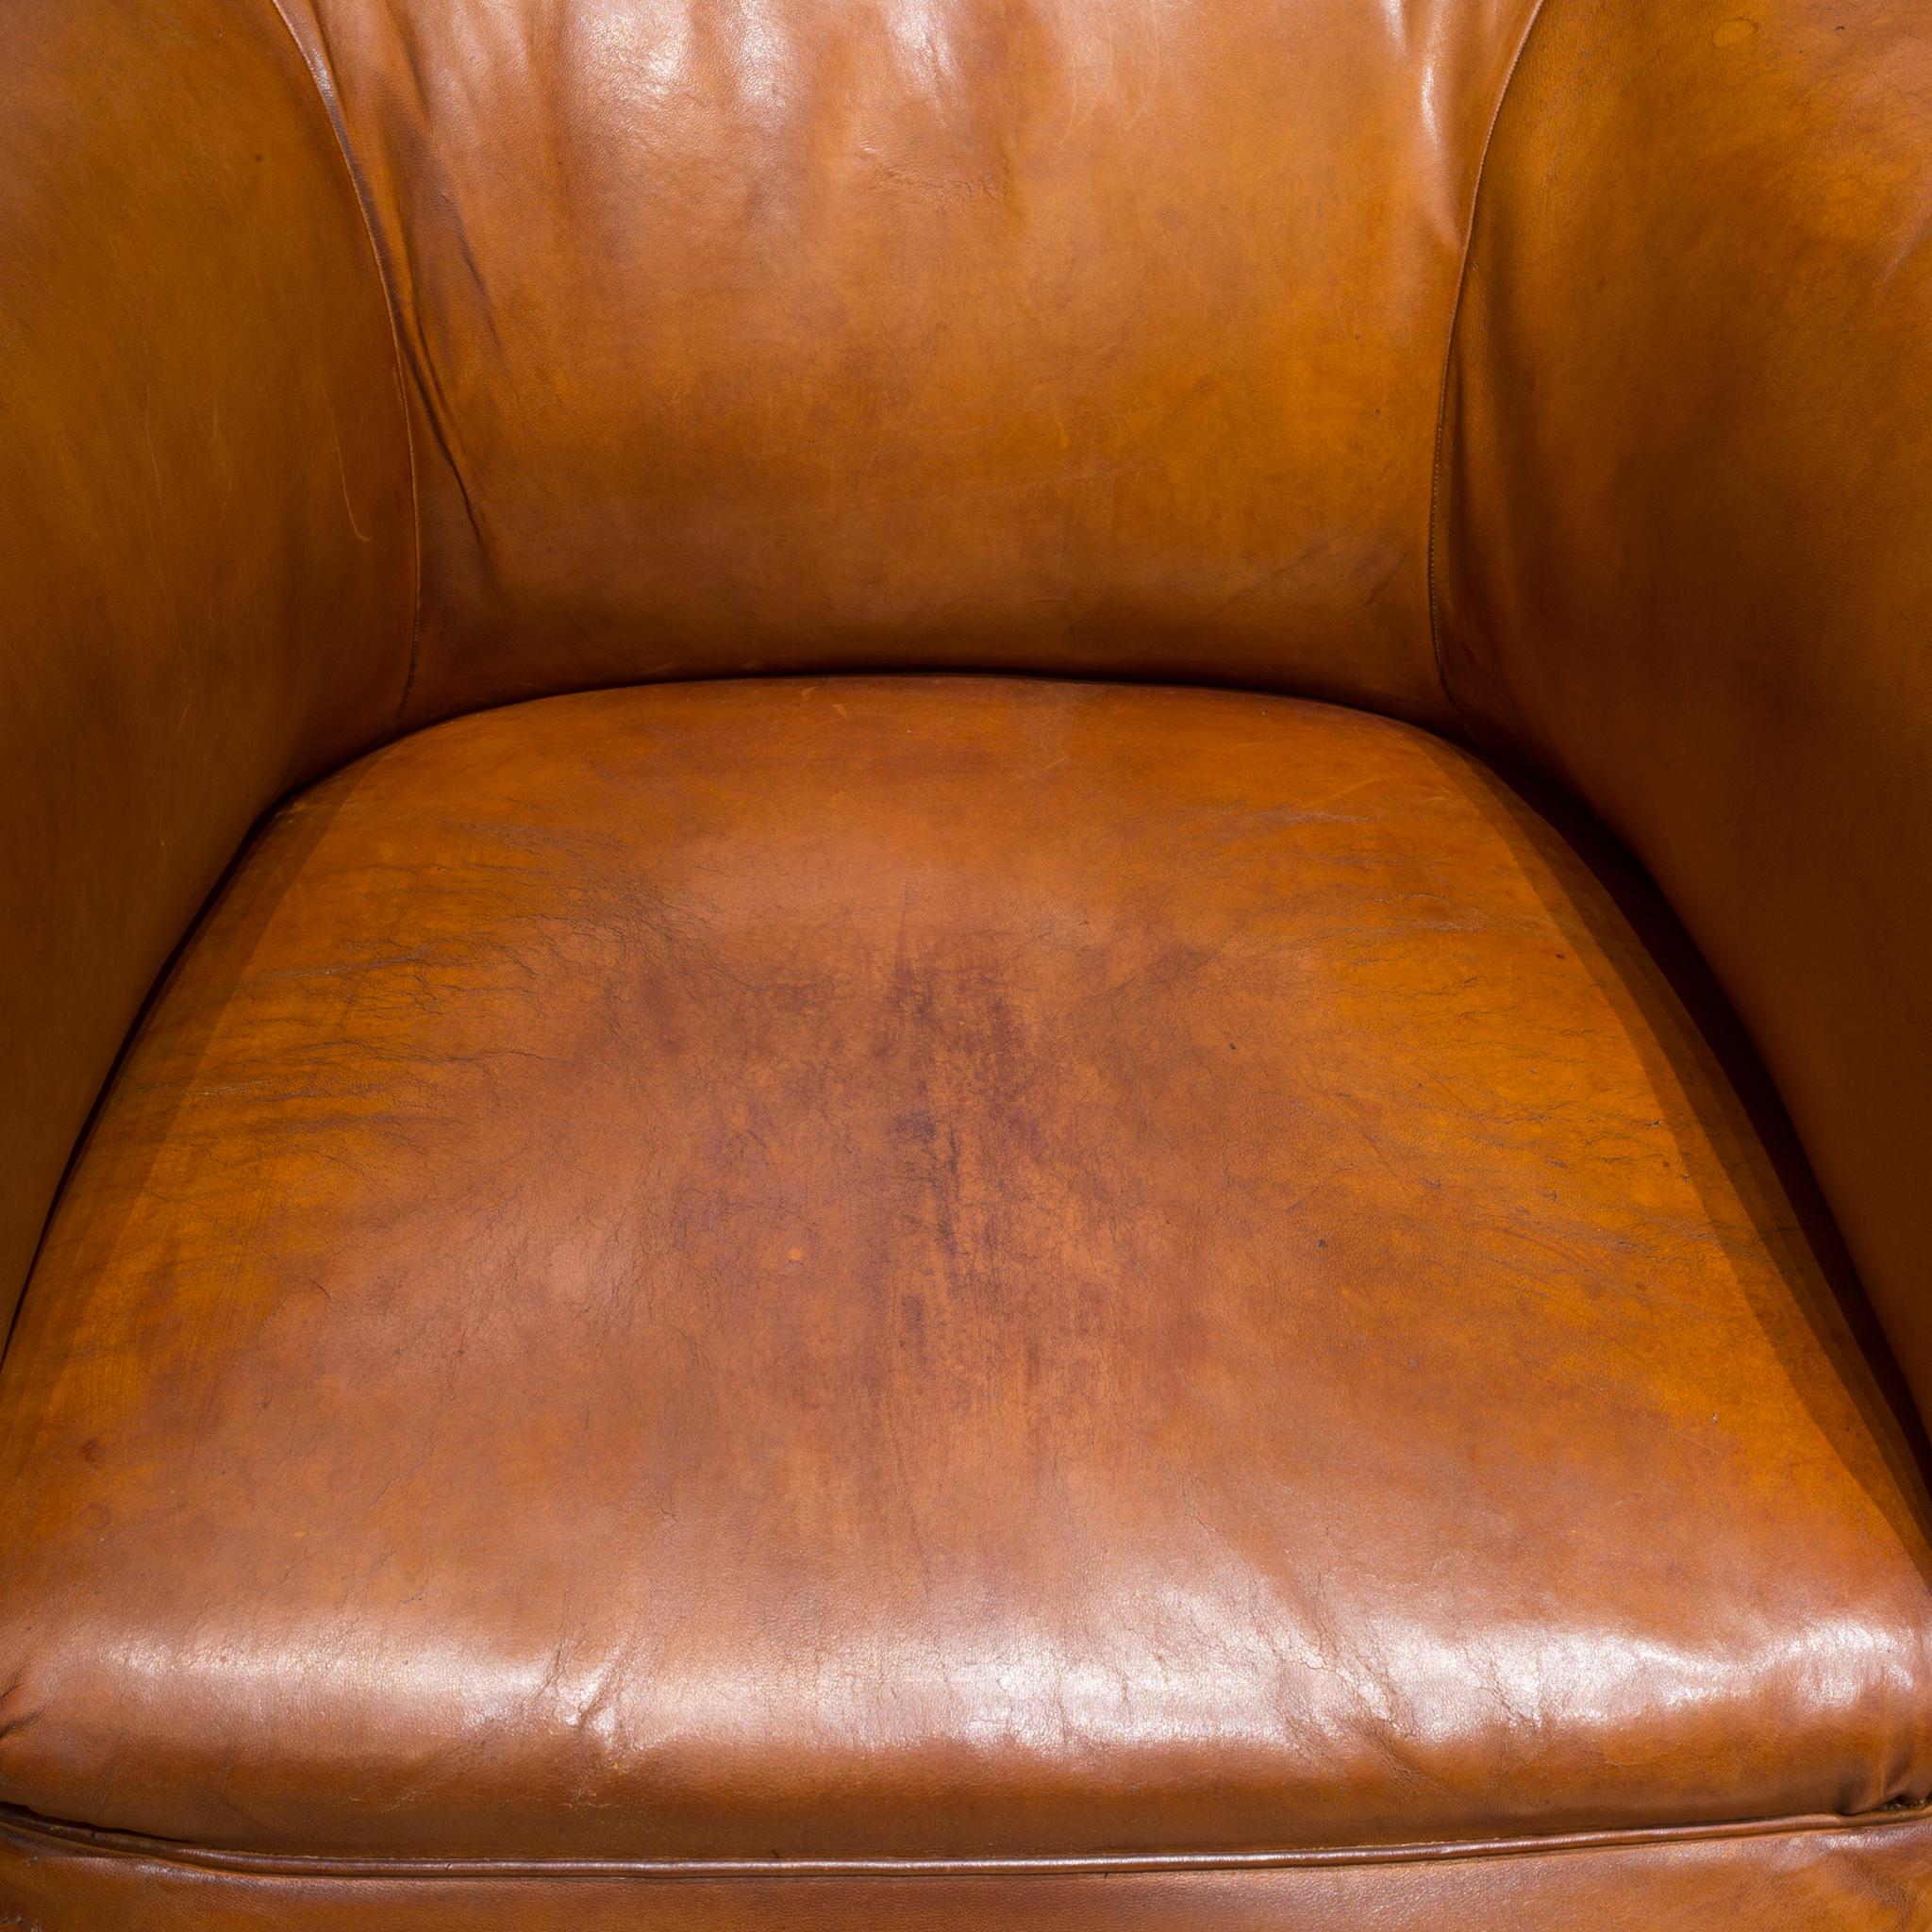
(963, 1270)
(937, 1268)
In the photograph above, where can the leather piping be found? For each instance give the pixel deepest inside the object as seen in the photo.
(324, 83)
(83, 1838)
(1476, 197)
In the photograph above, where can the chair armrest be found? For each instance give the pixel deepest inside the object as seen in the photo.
(204, 511)
(1683, 557)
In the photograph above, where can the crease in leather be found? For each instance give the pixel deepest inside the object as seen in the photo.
(1430, 585)
(69, 1837)
(315, 63)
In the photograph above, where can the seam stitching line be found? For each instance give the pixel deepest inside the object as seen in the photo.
(326, 96)
(83, 1841)
(1475, 197)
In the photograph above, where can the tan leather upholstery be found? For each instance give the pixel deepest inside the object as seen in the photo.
(1870, 1875)
(964, 1301)
(933, 1268)
(205, 557)
(1070, 336)
(1689, 562)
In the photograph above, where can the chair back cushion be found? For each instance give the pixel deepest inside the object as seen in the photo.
(1090, 336)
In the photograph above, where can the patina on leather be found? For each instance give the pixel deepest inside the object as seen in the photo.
(1100, 1270)
(1028, 1298)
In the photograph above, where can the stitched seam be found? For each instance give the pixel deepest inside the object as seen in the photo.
(324, 84)
(81, 1838)
(1475, 195)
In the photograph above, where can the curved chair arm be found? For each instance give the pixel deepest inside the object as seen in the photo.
(1683, 557)
(204, 511)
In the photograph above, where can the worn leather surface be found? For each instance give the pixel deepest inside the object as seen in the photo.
(1865, 1879)
(938, 1268)
(935, 1270)
(1687, 547)
(205, 526)
(1060, 335)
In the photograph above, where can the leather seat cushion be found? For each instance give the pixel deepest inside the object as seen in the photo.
(937, 1268)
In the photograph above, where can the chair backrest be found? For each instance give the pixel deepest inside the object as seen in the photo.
(1090, 336)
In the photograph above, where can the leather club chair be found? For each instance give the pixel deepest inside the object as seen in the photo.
(832, 1097)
